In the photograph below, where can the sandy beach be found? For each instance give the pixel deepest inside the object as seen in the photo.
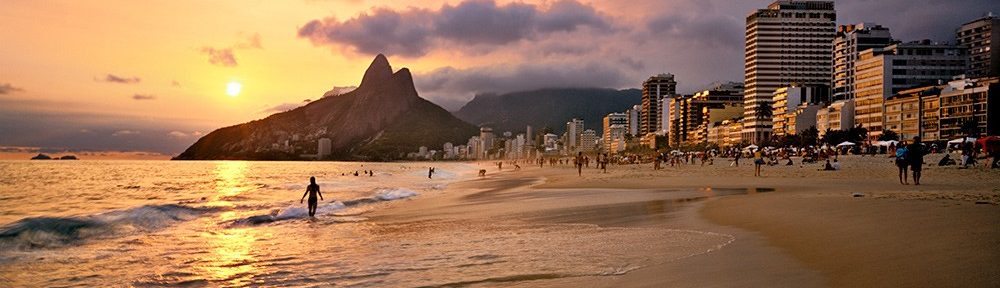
(793, 227)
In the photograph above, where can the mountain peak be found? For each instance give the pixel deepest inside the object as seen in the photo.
(378, 71)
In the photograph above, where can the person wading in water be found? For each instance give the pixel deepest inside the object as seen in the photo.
(312, 190)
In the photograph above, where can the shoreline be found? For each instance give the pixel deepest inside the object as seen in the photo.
(810, 233)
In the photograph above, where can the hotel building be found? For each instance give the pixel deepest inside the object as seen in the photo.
(787, 42)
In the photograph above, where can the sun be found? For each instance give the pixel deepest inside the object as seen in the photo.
(233, 88)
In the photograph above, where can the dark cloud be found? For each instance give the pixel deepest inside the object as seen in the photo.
(6, 88)
(29, 123)
(143, 97)
(414, 32)
(451, 87)
(111, 78)
(223, 57)
(916, 19)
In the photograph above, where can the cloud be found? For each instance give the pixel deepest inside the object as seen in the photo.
(143, 97)
(338, 90)
(226, 57)
(448, 85)
(286, 106)
(222, 57)
(6, 88)
(414, 32)
(111, 78)
(252, 42)
(124, 133)
(179, 134)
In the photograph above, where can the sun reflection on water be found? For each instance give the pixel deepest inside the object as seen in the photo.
(232, 257)
(230, 181)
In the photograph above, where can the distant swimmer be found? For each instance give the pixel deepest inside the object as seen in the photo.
(312, 190)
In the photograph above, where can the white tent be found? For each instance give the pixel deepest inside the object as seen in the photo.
(751, 147)
(845, 143)
(962, 140)
(888, 143)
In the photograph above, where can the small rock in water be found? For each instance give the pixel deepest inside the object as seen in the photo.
(983, 202)
(857, 194)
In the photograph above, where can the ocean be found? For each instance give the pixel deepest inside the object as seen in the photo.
(240, 223)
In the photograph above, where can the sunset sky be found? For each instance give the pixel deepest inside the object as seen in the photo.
(153, 75)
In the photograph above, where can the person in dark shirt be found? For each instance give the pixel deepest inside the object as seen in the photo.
(915, 155)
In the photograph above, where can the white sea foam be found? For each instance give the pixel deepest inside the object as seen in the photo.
(386, 194)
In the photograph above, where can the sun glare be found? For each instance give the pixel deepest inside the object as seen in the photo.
(233, 88)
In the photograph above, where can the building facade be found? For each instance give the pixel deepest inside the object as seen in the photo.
(847, 46)
(654, 90)
(573, 129)
(970, 100)
(614, 128)
(787, 42)
(883, 72)
(982, 38)
(794, 104)
(914, 112)
(838, 116)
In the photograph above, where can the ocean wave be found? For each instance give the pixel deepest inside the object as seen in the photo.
(51, 232)
(298, 212)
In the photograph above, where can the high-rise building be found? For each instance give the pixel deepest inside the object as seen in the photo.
(633, 120)
(614, 124)
(705, 108)
(529, 135)
(982, 38)
(588, 140)
(654, 90)
(787, 42)
(573, 129)
(848, 44)
(324, 148)
(486, 137)
(882, 72)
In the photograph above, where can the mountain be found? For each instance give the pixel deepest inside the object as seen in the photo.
(547, 108)
(381, 120)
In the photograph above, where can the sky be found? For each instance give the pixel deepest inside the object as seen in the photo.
(153, 75)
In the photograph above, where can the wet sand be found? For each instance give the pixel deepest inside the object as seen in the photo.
(795, 227)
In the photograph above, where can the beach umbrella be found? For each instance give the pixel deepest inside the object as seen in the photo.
(751, 147)
(962, 140)
(845, 143)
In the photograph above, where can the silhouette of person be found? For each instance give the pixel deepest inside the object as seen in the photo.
(430, 172)
(312, 190)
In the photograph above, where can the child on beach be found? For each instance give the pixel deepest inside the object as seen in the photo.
(312, 190)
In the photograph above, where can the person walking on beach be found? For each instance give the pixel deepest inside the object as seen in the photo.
(312, 190)
(902, 164)
(430, 172)
(579, 163)
(758, 160)
(915, 155)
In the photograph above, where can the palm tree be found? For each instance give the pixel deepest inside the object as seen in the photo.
(764, 111)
